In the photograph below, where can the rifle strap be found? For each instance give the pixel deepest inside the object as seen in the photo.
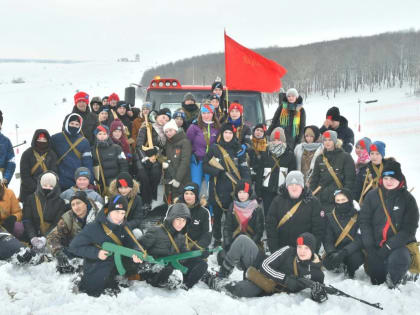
(189, 243)
(378, 172)
(171, 239)
(289, 214)
(130, 204)
(135, 240)
(295, 269)
(117, 241)
(71, 148)
(276, 165)
(39, 162)
(344, 231)
(230, 165)
(367, 184)
(331, 171)
(43, 225)
(386, 211)
(101, 172)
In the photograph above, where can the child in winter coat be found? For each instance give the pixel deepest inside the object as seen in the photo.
(241, 130)
(362, 152)
(119, 137)
(99, 269)
(36, 160)
(103, 116)
(10, 212)
(307, 152)
(122, 113)
(243, 217)
(343, 248)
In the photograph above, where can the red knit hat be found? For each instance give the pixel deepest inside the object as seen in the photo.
(236, 106)
(113, 97)
(81, 97)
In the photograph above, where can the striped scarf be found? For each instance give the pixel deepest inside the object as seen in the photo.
(284, 119)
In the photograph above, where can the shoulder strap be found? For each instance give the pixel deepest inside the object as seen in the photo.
(276, 164)
(71, 148)
(135, 240)
(194, 243)
(344, 231)
(228, 161)
(43, 225)
(386, 211)
(39, 162)
(101, 172)
(331, 171)
(366, 185)
(295, 269)
(171, 239)
(289, 214)
(111, 234)
(130, 204)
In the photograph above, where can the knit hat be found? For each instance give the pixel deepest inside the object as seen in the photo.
(261, 126)
(123, 104)
(312, 130)
(189, 97)
(48, 179)
(244, 185)
(378, 146)
(1, 117)
(236, 106)
(295, 177)
(104, 109)
(179, 113)
(96, 99)
(278, 134)
(147, 105)
(191, 186)
(307, 239)
(116, 125)
(217, 84)
(207, 108)
(224, 127)
(103, 128)
(164, 111)
(81, 195)
(42, 137)
(118, 202)
(214, 97)
(333, 114)
(75, 117)
(330, 134)
(364, 143)
(82, 172)
(113, 97)
(345, 192)
(393, 169)
(81, 97)
(170, 125)
(124, 179)
(292, 92)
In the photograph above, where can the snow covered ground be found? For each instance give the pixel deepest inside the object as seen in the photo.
(38, 103)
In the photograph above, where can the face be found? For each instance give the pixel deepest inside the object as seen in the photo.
(243, 195)
(328, 144)
(117, 134)
(95, 106)
(117, 216)
(162, 119)
(82, 183)
(341, 198)
(215, 103)
(103, 116)
(390, 182)
(105, 102)
(189, 102)
(113, 103)
(121, 110)
(294, 190)
(291, 98)
(74, 123)
(259, 133)
(179, 121)
(335, 124)
(309, 138)
(102, 136)
(189, 197)
(207, 116)
(235, 114)
(375, 157)
(81, 106)
(179, 224)
(227, 135)
(218, 91)
(145, 112)
(169, 133)
(79, 208)
(304, 252)
(124, 190)
(359, 150)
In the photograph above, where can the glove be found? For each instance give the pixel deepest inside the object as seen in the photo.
(161, 278)
(243, 150)
(292, 283)
(137, 233)
(9, 223)
(165, 165)
(63, 265)
(4, 181)
(145, 159)
(318, 293)
(384, 251)
(175, 183)
(38, 242)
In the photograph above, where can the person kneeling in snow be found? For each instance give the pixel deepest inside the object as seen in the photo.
(282, 271)
(99, 270)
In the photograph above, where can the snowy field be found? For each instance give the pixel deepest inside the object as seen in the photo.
(38, 103)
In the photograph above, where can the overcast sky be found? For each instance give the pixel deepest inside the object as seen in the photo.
(163, 31)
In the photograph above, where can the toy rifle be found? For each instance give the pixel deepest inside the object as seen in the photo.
(19, 144)
(149, 145)
(216, 164)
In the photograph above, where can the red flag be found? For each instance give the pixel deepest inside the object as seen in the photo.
(247, 70)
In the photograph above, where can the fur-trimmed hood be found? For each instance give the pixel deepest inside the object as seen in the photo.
(114, 190)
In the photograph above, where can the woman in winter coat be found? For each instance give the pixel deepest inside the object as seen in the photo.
(244, 216)
(10, 211)
(99, 269)
(273, 166)
(283, 230)
(169, 239)
(242, 131)
(227, 152)
(341, 248)
(108, 159)
(342, 173)
(362, 151)
(202, 134)
(307, 152)
(178, 156)
(119, 137)
(122, 113)
(103, 116)
(179, 117)
(126, 186)
(36, 160)
(43, 209)
(291, 116)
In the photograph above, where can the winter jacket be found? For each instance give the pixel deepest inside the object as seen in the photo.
(135, 128)
(135, 215)
(269, 179)
(243, 132)
(70, 162)
(69, 226)
(404, 213)
(7, 158)
(93, 195)
(344, 133)
(304, 156)
(198, 142)
(28, 180)
(288, 128)
(142, 140)
(343, 165)
(53, 207)
(9, 205)
(307, 218)
(279, 265)
(190, 115)
(199, 227)
(126, 120)
(90, 122)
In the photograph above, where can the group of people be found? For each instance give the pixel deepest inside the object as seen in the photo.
(274, 199)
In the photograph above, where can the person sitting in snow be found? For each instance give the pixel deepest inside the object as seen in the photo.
(11, 247)
(10, 212)
(7, 157)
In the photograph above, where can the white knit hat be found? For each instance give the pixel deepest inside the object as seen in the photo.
(170, 125)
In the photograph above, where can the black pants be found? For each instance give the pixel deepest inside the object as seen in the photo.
(354, 261)
(217, 222)
(149, 176)
(267, 197)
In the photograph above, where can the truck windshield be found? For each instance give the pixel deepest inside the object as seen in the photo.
(172, 99)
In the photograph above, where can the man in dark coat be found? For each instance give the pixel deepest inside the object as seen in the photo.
(90, 120)
(190, 108)
(388, 222)
(334, 121)
(36, 160)
(307, 218)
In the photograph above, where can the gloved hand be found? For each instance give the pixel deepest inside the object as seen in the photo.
(384, 251)
(165, 165)
(145, 159)
(161, 278)
(292, 283)
(63, 265)
(318, 293)
(243, 150)
(334, 259)
(9, 223)
(174, 183)
(38, 242)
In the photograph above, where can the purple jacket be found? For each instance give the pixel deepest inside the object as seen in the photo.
(198, 142)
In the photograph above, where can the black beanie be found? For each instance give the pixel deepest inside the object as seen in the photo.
(307, 239)
(1, 117)
(164, 111)
(124, 179)
(81, 195)
(333, 114)
(118, 202)
(216, 84)
(345, 192)
(393, 169)
(123, 104)
(226, 126)
(262, 126)
(245, 186)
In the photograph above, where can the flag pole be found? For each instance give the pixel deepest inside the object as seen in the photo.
(226, 75)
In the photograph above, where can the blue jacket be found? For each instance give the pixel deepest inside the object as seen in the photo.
(7, 157)
(70, 162)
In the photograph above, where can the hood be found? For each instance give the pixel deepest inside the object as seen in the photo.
(177, 210)
(56, 190)
(343, 122)
(114, 190)
(36, 134)
(306, 195)
(66, 122)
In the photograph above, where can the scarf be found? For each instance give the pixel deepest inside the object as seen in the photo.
(122, 142)
(277, 149)
(311, 146)
(161, 134)
(284, 119)
(259, 145)
(363, 158)
(244, 211)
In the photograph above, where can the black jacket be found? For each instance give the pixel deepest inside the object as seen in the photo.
(28, 181)
(404, 213)
(199, 227)
(90, 122)
(344, 133)
(307, 218)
